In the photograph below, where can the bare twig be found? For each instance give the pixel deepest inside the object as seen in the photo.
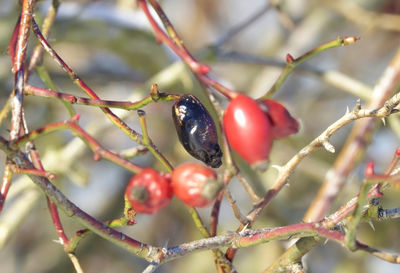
(97, 149)
(37, 52)
(18, 67)
(148, 143)
(241, 26)
(385, 214)
(47, 93)
(291, 62)
(355, 144)
(370, 19)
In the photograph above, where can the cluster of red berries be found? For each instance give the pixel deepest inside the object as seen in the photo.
(250, 128)
(194, 184)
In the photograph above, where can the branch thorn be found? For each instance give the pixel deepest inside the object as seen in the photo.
(371, 225)
(329, 147)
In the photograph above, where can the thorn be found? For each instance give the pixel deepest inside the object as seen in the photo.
(76, 117)
(371, 225)
(329, 147)
(383, 121)
(51, 176)
(97, 156)
(347, 110)
(326, 241)
(369, 170)
(58, 241)
(289, 59)
(166, 244)
(243, 231)
(203, 69)
(279, 168)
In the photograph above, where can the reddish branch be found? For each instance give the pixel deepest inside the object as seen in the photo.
(47, 93)
(18, 67)
(99, 151)
(175, 44)
(17, 50)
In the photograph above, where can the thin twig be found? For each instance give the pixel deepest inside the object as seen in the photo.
(243, 25)
(385, 214)
(18, 67)
(91, 142)
(126, 105)
(176, 44)
(36, 56)
(74, 77)
(369, 19)
(291, 62)
(148, 143)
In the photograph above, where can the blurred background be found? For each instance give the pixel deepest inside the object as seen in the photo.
(111, 46)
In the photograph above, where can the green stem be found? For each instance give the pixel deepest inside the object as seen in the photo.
(291, 63)
(70, 99)
(148, 143)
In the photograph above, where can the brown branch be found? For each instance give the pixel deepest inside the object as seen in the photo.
(355, 145)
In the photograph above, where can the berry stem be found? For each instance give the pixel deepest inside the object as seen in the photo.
(148, 143)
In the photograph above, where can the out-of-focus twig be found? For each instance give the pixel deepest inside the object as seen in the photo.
(243, 25)
(37, 52)
(369, 19)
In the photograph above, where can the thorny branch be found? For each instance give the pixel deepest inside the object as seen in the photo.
(241, 239)
(244, 237)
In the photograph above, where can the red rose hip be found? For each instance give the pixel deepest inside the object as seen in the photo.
(148, 191)
(195, 184)
(282, 122)
(248, 131)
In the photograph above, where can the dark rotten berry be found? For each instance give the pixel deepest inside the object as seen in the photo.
(196, 130)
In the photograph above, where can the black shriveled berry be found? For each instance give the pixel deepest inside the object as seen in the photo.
(196, 130)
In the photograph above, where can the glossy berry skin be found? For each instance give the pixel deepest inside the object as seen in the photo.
(248, 131)
(148, 191)
(282, 122)
(195, 184)
(196, 130)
